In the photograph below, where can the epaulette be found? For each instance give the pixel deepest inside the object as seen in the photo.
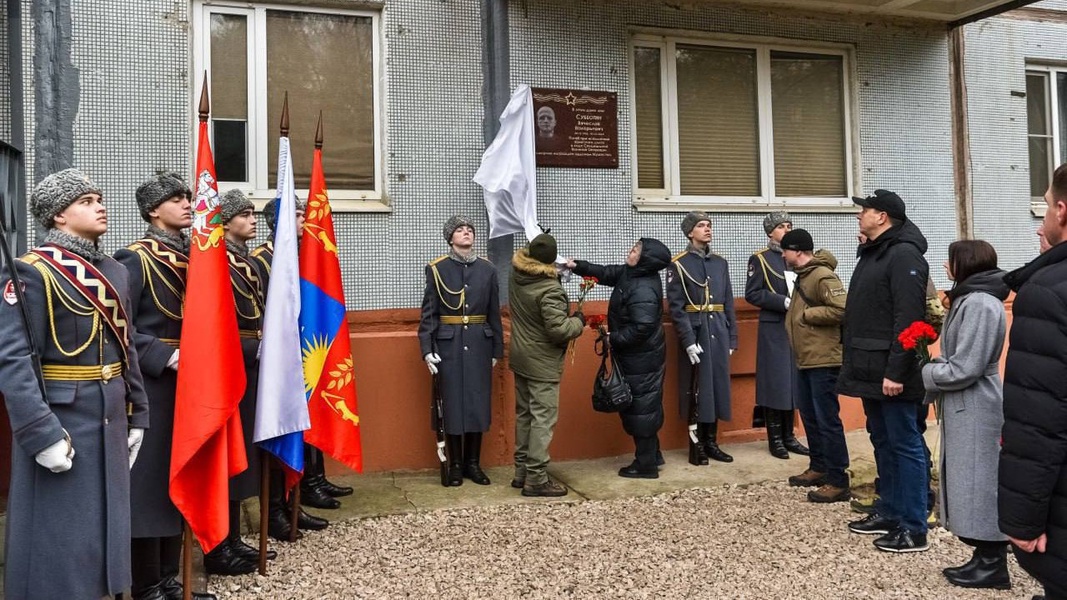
(486, 259)
(257, 250)
(760, 251)
(679, 255)
(438, 259)
(29, 258)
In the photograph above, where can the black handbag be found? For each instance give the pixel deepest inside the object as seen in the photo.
(611, 393)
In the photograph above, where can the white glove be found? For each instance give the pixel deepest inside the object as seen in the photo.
(788, 301)
(57, 458)
(172, 363)
(259, 350)
(432, 360)
(790, 282)
(133, 440)
(694, 351)
(732, 351)
(494, 362)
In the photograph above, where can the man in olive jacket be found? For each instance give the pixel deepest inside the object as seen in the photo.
(540, 330)
(813, 323)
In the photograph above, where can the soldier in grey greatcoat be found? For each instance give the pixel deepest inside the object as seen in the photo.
(701, 301)
(461, 338)
(68, 514)
(768, 287)
(157, 265)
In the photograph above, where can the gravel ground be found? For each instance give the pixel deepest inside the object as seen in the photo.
(758, 541)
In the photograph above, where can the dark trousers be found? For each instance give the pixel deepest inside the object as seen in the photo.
(900, 455)
(154, 559)
(820, 412)
(645, 451)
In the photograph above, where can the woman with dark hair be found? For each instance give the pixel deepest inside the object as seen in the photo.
(965, 381)
(635, 320)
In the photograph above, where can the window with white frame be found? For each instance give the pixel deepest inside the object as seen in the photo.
(327, 60)
(1046, 127)
(741, 125)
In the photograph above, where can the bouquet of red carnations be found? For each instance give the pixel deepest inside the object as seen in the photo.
(918, 336)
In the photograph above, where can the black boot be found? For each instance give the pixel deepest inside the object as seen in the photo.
(152, 592)
(249, 553)
(173, 590)
(758, 417)
(222, 560)
(774, 434)
(279, 525)
(472, 452)
(967, 566)
(333, 490)
(990, 571)
(311, 485)
(454, 447)
(697, 454)
(789, 437)
(310, 522)
(712, 447)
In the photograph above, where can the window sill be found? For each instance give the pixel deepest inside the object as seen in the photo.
(1037, 207)
(688, 203)
(340, 201)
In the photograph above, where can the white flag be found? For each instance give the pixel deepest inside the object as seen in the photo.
(508, 172)
(281, 410)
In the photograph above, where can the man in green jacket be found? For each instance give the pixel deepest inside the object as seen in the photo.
(813, 323)
(540, 330)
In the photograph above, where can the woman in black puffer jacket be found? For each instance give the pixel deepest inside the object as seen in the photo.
(635, 320)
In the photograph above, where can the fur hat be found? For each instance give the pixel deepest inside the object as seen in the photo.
(233, 202)
(798, 239)
(157, 190)
(774, 219)
(690, 221)
(270, 211)
(543, 249)
(454, 223)
(58, 191)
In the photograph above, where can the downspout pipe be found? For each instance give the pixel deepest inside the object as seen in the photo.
(496, 91)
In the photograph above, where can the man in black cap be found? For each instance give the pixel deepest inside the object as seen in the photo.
(157, 264)
(814, 327)
(768, 287)
(540, 331)
(886, 295)
(701, 302)
(461, 338)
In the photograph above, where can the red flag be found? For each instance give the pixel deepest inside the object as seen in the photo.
(329, 376)
(208, 443)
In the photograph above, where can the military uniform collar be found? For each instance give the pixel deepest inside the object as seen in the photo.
(78, 245)
(236, 248)
(774, 246)
(470, 258)
(179, 241)
(702, 253)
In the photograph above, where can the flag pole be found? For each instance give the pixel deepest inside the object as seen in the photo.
(264, 500)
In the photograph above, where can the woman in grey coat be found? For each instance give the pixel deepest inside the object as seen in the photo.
(966, 381)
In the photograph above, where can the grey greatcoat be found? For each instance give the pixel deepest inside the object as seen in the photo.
(68, 534)
(967, 378)
(701, 301)
(248, 296)
(455, 288)
(157, 291)
(776, 372)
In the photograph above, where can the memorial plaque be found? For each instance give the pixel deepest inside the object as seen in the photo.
(576, 128)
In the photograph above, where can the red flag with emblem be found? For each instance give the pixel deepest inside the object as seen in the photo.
(208, 447)
(329, 373)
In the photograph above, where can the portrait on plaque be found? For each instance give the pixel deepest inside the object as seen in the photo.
(576, 128)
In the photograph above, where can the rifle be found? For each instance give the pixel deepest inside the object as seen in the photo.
(694, 414)
(20, 295)
(437, 418)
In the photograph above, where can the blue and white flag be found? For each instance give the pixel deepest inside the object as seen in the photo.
(281, 410)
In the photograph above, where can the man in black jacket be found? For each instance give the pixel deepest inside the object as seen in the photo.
(1032, 494)
(886, 295)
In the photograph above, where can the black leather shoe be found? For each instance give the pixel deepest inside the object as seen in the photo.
(901, 541)
(789, 437)
(634, 471)
(250, 553)
(224, 561)
(311, 522)
(474, 472)
(316, 497)
(173, 591)
(989, 571)
(793, 445)
(951, 571)
(872, 524)
(775, 443)
(336, 491)
(154, 592)
(278, 523)
(711, 447)
(518, 483)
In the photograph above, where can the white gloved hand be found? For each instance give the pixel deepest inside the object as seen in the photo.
(172, 363)
(58, 457)
(732, 351)
(259, 350)
(790, 281)
(788, 301)
(432, 360)
(694, 351)
(134, 440)
(494, 362)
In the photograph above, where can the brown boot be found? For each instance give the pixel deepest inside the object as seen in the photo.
(549, 488)
(829, 493)
(808, 478)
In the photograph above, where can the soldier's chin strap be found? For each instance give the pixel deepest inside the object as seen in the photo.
(16, 282)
